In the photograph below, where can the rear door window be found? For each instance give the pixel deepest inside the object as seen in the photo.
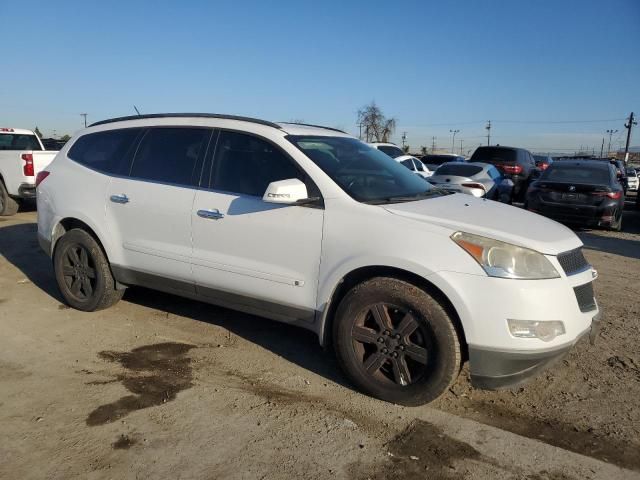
(108, 152)
(16, 141)
(171, 155)
(408, 163)
(246, 164)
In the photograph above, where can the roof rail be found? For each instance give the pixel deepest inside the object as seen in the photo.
(316, 126)
(186, 115)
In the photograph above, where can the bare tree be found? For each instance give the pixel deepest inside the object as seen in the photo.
(375, 126)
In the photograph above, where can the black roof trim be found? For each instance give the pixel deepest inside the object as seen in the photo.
(186, 115)
(316, 126)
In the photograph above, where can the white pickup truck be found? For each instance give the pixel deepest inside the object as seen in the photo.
(22, 156)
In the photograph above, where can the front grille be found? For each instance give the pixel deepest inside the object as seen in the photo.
(584, 295)
(573, 261)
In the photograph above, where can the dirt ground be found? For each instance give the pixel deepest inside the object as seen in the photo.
(163, 387)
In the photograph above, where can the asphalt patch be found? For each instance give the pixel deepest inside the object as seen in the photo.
(154, 374)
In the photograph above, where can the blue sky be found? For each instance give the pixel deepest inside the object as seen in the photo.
(435, 66)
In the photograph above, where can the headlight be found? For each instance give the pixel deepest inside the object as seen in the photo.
(500, 259)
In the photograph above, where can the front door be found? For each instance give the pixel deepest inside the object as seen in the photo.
(247, 253)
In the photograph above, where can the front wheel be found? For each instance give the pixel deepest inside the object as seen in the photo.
(396, 342)
(83, 274)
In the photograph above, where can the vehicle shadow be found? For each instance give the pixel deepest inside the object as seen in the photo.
(19, 245)
(294, 344)
(614, 242)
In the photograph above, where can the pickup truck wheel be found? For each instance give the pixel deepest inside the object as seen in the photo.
(8, 206)
(83, 274)
(396, 342)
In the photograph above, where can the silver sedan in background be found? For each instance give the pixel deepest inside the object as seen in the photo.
(473, 178)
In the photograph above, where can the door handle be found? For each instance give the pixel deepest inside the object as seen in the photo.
(119, 198)
(212, 214)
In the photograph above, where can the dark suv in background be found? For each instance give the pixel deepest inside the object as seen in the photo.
(516, 164)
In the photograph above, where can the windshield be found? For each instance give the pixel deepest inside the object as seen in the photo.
(393, 152)
(458, 169)
(365, 173)
(631, 172)
(585, 174)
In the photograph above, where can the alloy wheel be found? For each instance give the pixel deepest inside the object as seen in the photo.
(79, 272)
(392, 345)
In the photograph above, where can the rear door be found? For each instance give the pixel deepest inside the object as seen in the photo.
(148, 210)
(248, 254)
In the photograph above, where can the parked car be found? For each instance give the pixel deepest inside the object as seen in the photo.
(22, 156)
(585, 193)
(415, 165)
(515, 163)
(432, 161)
(399, 155)
(632, 179)
(390, 149)
(302, 224)
(543, 161)
(481, 180)
(621, 173)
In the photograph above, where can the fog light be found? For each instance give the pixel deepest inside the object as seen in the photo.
(545, 331)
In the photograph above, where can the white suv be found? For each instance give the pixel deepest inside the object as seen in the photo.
(306, 225)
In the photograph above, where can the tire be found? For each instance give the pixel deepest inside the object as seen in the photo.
(8, 205)
(617, 227)
(418, 357)
(83, 273)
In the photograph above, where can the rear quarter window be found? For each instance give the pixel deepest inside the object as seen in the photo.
(106, 152)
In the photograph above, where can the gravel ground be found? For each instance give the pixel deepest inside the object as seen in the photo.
(160, 386)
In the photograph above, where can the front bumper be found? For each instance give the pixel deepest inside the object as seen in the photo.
(494, 369)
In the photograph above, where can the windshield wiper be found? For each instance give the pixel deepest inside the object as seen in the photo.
(406, 198)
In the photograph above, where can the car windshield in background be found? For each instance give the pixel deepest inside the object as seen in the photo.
(393, 152)
(458, 169)
(583, 174)
(17, 141)
(365, 173)
(494, 155)
(631, 172)
(438, 159)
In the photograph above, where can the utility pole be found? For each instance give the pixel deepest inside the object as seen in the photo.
(85, 119)
(360, 134)
(610, 132)
(461, 151)
(404, 139)
(488, 128)
(433, 144)
(602, 148)
(453, 140)
(629, 125)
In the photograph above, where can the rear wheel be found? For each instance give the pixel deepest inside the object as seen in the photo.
(8, 206)
(617, 225)
(83, 274)
(396, 342)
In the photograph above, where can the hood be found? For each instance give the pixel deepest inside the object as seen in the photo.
(491, 219)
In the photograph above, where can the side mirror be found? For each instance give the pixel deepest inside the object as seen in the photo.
(286, 192)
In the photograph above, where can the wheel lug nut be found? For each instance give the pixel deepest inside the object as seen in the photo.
(380, 340)
(386, 332)
(402, 347)
(397, 336)
(395, 354)
(384, 350)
